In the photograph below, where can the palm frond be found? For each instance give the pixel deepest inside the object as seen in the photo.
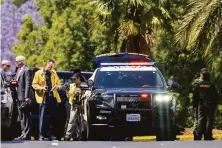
(193, 10)
(200, 28)
(101, 7)
(137, 2)
(128, 28)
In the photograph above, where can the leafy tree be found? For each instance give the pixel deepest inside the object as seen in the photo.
(19, 2)
(201, 29)
(131, 23)
(32, 39)
(65, 35)
(9, 27)
(11, 21)
(2, 1)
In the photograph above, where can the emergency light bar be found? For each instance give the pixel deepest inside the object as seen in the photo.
(129, 64)
(122, 59)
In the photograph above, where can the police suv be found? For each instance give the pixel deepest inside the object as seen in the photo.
(129, 97)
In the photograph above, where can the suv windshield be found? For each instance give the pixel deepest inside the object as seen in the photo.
(126, 79)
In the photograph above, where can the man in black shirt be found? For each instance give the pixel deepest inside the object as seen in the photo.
(46, 83)
(205, 100)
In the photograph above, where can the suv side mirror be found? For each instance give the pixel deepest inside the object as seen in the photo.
(84, 86)
(169, 82)
(90, 83)
(172, 84)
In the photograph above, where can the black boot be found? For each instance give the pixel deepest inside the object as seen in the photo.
(196, 137)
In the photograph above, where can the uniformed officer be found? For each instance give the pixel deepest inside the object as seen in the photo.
(194, 84)
(74, 124)
(46, 83)
(205, 100)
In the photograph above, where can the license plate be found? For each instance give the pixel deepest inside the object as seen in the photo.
(132, 117)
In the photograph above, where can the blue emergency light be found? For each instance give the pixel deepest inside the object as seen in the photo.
(122, 59)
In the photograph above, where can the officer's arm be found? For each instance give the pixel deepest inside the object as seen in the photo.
(195, 96)
(193, 85)
(217, 96)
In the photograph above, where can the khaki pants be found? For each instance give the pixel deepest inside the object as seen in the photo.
(74, 124)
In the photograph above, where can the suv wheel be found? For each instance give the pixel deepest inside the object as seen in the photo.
(166, 134)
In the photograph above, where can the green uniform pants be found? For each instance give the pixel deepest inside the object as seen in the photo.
(205, 120)
(195, 123)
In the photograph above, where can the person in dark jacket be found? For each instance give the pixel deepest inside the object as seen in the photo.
(23, 76)
(62, 110)
(205, 100)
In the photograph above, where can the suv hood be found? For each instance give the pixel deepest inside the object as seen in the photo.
(130, 91)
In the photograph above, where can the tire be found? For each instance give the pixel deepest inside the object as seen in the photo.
(89, 131)
(91, 134)
(5, 134)
(167, 131)
(166, 134)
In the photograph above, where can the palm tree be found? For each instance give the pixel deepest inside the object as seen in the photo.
(201, 28)
(131, 23)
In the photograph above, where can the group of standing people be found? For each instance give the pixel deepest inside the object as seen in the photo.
(46, 86)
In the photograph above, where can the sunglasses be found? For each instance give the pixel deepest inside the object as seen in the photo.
(18, 62)
(6, 65)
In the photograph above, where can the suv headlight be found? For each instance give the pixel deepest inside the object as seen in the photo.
(163, 98)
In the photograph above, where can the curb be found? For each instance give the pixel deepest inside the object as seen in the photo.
(178, 137)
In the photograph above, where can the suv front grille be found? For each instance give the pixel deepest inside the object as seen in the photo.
(129, 102)
(127, 99)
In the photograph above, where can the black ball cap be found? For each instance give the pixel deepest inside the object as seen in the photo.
(204, 70)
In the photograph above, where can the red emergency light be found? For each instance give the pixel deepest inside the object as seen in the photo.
(144, 96)
(139, 64)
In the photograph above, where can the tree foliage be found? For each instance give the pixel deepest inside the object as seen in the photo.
(201, 29)
(131, 23)
(65, 35)
(12, 13)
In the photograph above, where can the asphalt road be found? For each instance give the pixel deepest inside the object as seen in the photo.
(101, 144)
